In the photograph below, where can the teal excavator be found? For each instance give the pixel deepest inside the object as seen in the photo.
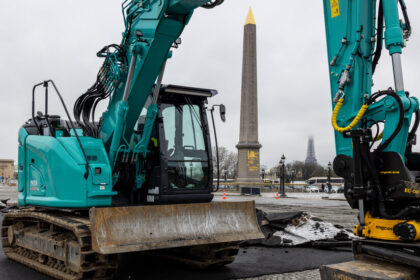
(140, 178)
(374, 131)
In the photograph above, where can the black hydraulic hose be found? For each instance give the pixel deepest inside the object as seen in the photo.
(212, 4)
(406, 18)
(392, 93)
(85, 106)
(416, 124)
(412, 134)
(379, 37)
(377, 131)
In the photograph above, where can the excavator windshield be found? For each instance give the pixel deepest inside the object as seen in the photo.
(185, 146)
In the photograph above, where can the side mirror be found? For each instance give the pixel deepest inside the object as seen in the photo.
(177, 43)
(222, 110)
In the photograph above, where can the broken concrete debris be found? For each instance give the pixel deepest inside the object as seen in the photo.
(6, 205)
(289, 229)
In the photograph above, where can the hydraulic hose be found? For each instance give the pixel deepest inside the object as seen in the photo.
(355, 121)
(412, 135)
(406, 18)
(379, 37)
(392, 93)
(213, 3)
(363, 110)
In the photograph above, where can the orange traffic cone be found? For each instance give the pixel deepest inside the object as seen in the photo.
(277, 195)
(224, 194)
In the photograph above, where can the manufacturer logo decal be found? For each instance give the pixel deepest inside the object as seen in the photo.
(384, 228)
(390, 172)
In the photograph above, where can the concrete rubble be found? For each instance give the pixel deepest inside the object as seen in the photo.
(6, 205)
(298, 228)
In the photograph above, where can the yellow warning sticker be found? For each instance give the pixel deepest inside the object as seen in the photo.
(335, 8)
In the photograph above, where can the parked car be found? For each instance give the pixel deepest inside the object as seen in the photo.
(334, 189)
(299, 188)
(313, 189)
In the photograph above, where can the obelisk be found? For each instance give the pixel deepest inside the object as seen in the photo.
(248, 146)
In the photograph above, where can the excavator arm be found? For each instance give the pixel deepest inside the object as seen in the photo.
(131, 69)
(372, 129)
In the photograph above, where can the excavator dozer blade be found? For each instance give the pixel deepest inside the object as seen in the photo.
(143, 228)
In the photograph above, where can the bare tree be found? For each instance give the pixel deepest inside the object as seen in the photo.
(228, 163)
(304, 171)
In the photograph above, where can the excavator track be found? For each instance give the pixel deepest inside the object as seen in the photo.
(55, 243)
(58, 243)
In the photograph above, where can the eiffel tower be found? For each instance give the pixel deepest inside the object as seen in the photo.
(310, 156)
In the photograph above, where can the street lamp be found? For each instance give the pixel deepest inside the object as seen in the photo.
(292, 179)
(282, 162)
(225, 174)
(329, 177)
(262, 174)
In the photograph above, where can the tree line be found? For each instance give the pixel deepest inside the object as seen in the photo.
(294, 171)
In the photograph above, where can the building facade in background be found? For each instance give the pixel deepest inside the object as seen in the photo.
(7, 168)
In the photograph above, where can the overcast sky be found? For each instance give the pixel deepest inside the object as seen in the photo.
(59, 40)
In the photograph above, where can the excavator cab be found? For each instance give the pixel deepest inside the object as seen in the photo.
(182, 170)
(179, 165)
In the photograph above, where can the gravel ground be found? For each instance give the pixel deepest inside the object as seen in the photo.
(302, 275)
(331, 208)
(8, 192)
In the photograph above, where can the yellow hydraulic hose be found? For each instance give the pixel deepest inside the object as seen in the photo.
(355, 121)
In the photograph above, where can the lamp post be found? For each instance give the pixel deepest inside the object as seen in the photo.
(329, 177)
(282, 162)
(292, 178)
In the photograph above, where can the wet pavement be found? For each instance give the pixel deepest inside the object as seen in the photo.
(251, 262)
(254, 262)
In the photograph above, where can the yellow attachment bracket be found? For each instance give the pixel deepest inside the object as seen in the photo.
(383, 229)
(355, 121)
